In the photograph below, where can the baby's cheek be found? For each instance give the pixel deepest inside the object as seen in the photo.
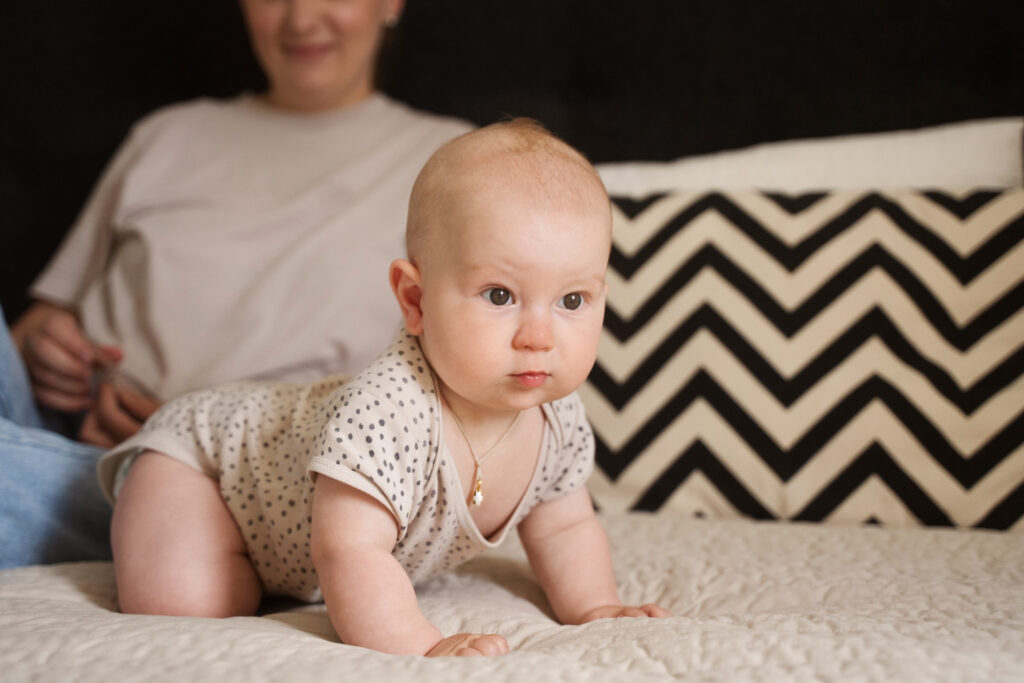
(576, 366)
(472, 365)
(590, 337)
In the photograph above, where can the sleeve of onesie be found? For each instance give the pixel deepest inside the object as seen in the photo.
(85, 249)
(574, 461)
(379, 443)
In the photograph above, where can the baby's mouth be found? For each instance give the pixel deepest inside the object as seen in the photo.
(532, 378)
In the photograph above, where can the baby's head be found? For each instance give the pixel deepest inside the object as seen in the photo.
(508, 239)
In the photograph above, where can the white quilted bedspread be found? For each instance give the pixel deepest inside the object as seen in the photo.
(754, 601)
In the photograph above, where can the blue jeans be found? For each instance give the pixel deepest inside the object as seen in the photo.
(51, 506)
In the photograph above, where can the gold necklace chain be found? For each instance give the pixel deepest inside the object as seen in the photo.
(477, 496)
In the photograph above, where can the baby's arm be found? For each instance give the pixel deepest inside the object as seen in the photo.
(369, 597)
(568, 551)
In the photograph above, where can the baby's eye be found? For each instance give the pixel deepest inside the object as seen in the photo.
(572, 301)
(498, 296)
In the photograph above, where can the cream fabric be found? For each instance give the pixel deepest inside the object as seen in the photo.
(228, 240)
(982, 153)
(753, 602)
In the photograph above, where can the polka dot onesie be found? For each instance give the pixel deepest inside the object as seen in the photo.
(381, 432)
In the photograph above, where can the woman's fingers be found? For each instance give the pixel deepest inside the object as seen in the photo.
(62, 401)
(135, 403)
(59, 359)
(91, 432)
(112, 417)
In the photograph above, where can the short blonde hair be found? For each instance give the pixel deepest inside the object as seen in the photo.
(518, 153)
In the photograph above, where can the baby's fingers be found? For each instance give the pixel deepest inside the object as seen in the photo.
(486, 645)
(656, 611)
(648, 610)
(644, 611)
(470, 645)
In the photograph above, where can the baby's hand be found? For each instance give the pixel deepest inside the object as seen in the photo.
(615, 611)
(470, 645)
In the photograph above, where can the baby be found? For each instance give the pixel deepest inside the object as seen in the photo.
(468, 425)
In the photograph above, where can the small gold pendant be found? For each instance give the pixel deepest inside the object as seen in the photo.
(478, 493)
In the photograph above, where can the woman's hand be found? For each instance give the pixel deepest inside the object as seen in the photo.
(470, 645)
(116, 414)
(615, 611)
(60, 360)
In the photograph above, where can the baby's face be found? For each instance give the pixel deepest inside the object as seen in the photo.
(513, 298)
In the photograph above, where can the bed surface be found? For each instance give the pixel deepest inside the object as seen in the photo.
(754, 601)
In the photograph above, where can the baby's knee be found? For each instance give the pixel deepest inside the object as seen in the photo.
(156, 598)
(177, 549)
(180, 592)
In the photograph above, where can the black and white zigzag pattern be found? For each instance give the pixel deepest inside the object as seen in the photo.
(850, 356)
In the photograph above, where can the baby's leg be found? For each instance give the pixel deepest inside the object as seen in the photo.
(177, 549)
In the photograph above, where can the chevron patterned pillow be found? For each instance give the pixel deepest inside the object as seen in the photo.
(836, 356)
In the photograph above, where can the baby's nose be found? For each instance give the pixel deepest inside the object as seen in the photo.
(534, 333)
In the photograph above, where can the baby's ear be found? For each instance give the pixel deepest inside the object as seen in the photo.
(405, 283)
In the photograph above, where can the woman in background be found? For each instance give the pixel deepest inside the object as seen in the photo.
(205, 255)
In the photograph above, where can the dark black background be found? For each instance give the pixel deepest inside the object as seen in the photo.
(649, 79)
